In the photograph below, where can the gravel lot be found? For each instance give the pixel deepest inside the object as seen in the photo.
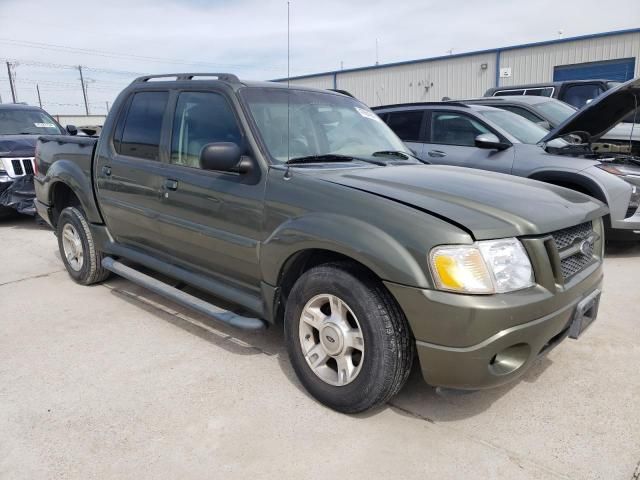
(111, 381)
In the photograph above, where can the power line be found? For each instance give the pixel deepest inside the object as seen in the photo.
(108, 54)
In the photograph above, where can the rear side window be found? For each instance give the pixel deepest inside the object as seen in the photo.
(540, 92)
(508, 93)
(406, 125)
(143, 125)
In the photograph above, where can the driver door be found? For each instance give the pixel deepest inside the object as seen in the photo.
(451, 141)
(212, 220)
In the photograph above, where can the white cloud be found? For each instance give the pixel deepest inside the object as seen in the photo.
(249, 37)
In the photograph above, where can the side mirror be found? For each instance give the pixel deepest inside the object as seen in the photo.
(544, 124)
(72, 130)
(490, 141)
(224, 157)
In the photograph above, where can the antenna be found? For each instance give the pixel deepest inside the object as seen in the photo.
(635, 115)
(288, 80)
(377, 62)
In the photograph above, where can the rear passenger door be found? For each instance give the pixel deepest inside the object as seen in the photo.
(451, 141)
(211, 220)
(409, 126)
(129, 171)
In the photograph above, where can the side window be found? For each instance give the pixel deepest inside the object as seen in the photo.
(523, 112)
(406, 124)
(143, 125)
(580, 95)
(508, 93)
(201, 118)
(451, 128)
(539, 92)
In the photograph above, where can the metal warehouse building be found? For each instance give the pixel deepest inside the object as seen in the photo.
(610, 55)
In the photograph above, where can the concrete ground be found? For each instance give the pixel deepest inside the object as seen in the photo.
(111, 381)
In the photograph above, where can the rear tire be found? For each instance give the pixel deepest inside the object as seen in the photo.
(81, 258)
(343, 377)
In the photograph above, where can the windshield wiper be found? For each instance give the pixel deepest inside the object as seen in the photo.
(329, 157)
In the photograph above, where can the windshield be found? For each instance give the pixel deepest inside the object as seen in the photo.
(27, 122)
(319, 124)
(522, 129)
(557, 111)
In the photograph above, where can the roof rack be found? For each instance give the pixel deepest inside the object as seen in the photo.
(224, 77)
(421, 104)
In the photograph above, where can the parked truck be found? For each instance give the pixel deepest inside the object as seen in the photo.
(304, 210)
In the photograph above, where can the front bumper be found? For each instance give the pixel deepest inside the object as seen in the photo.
(17, 194)
(476, 342)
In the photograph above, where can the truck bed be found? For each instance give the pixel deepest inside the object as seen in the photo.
(78, 150)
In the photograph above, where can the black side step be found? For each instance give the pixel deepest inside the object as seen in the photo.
(181, 297)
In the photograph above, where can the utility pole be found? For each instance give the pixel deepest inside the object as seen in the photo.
(377, 59)
(84, 91)
(39, 99)
(107, 103)
(13, 88)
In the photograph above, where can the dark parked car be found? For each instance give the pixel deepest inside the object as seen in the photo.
(303, 209)
(477, 136)
(574, 92)
(550, 112)
(20, 127)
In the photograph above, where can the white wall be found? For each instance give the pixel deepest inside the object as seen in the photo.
(462, 77)
(535, 64)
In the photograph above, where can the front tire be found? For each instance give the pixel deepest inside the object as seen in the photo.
(347, 338)
(81, 258)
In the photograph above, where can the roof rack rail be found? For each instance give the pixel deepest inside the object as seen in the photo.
(422, 104)
(225, 77)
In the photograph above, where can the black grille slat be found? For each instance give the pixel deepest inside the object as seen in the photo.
(28, 167)
(17, 167)
(568, 238)
(574, 264)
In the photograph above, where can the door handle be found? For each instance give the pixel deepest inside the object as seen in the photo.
(436, 153)
(106, 170)
(171, 184)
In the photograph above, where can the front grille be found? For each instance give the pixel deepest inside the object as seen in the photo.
(28, 167)
(17, 167)
(573, 256)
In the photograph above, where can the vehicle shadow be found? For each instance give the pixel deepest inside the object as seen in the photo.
(622, 250)
(23, 222)
(417, 399)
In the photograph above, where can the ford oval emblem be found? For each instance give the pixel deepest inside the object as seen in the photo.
(586, 246)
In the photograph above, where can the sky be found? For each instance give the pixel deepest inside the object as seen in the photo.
(116, 40)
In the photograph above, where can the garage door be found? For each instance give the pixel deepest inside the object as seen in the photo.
(620, 70)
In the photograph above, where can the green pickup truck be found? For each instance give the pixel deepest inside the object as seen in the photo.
(302, 208)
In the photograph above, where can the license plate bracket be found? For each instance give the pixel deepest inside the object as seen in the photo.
(585, 313)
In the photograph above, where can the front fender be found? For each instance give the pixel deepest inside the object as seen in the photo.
(363, 242)
(77, 179)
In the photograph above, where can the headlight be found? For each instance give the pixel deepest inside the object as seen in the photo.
(619, 170)
(491, 266)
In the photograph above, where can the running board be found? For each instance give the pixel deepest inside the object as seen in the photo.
(183, 298)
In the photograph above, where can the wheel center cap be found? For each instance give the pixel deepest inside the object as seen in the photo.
(331, 339)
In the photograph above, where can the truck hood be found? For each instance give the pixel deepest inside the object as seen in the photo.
(18, 145)
(602, 114)
(485, 204)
